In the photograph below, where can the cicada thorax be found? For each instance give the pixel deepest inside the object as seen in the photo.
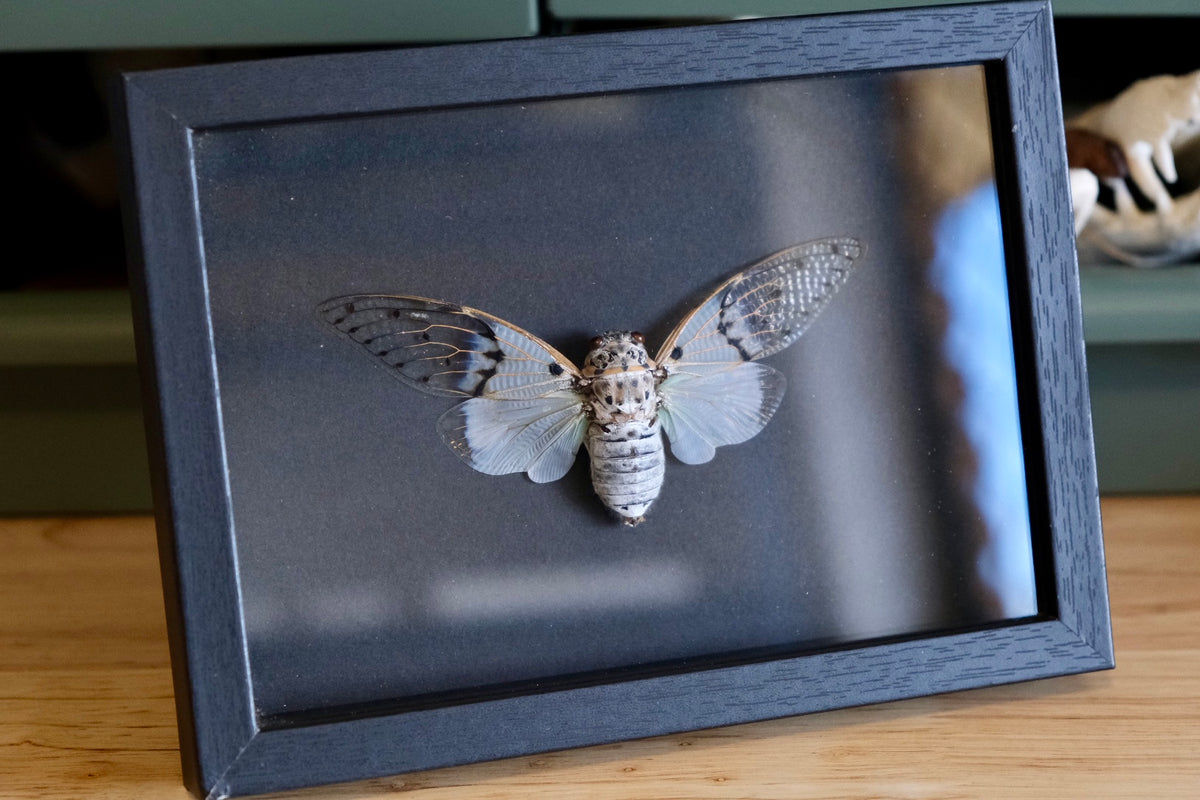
(624, 439)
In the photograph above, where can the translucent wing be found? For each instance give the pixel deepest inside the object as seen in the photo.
(762, 309)
(712, 395)
(523, 415)
(447, 349)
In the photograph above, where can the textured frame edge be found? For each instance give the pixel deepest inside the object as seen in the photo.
(1054, 299)
(192, 514)
(223, 751)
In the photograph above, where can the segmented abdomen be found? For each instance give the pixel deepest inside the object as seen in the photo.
(627, 466)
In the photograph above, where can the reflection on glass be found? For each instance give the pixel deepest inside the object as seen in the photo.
(546, 593)
(968, 270)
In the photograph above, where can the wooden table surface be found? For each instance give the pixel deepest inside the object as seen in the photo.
(86, 707)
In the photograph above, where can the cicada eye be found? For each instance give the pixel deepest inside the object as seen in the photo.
(596, 342)
(638, 337)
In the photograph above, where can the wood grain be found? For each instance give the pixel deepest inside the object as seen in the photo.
(86, 708)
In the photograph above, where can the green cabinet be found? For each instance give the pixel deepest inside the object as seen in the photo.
(113, 24)
(71, 435)
(1143, 344)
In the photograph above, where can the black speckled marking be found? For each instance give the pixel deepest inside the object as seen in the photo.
(737, 343)
(555, 368)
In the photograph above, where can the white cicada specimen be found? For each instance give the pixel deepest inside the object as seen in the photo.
(529, 408)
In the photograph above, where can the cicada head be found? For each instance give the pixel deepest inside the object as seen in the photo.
(616, 351)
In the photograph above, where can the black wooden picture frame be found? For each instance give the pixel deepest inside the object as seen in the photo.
(231, 746)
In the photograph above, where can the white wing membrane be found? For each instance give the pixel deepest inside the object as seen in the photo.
(712, 396)
(539, 436)
(703, 412)
(524, 414)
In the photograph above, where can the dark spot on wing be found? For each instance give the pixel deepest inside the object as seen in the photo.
(485, 375)
(737, 343)
(555, 368)
(425, 336)
(677, 353)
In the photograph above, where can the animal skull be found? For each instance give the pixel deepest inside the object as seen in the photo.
(1155, 125)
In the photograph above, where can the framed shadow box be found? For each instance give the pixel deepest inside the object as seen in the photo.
(900, 501)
